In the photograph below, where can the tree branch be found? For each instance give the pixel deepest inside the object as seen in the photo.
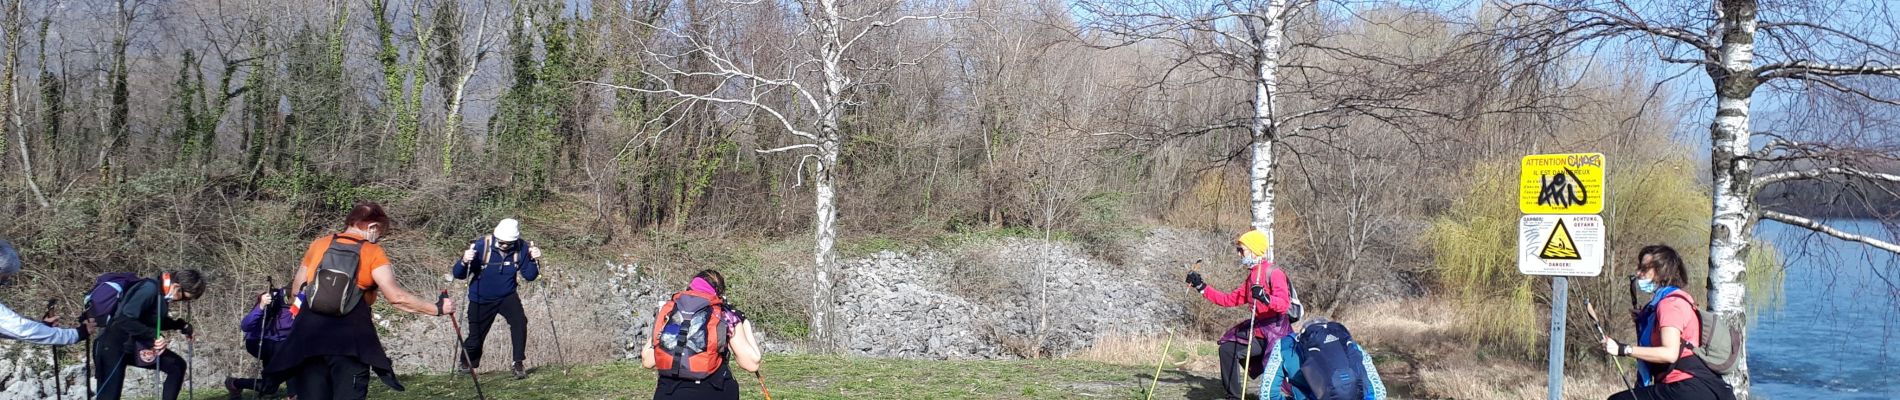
(1779, 177)
(1819, 227)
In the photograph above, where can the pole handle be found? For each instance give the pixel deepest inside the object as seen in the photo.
(439, 299)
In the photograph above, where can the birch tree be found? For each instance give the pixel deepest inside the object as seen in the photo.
(1746, 48)
(1251, 43)
(806, 95)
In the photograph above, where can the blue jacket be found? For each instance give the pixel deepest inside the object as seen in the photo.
(495, 270)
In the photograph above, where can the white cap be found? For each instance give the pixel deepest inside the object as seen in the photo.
(508, 230)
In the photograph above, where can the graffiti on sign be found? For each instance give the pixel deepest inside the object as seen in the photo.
(1561, 184)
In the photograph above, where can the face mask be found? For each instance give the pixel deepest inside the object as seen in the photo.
(1646, 285)
(1249, 261)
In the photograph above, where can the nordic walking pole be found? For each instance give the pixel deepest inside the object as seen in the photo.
(761, 376)
(555, 329)
(191, 348)
(1253, 322)
(1156, 384)
(458, 342)
(1592, 310)
(59, 386)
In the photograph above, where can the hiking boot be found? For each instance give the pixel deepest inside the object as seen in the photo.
(231, 385)
(521, 372)
(461, 367)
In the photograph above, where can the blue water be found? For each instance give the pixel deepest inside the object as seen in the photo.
(1837, 334)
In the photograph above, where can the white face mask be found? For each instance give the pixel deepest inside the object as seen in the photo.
(1249, 261)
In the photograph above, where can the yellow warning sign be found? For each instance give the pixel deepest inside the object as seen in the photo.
(1562, 184)
(1560, 246)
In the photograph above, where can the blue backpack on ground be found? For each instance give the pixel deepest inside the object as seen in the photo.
(103, 300)
(1331, 364)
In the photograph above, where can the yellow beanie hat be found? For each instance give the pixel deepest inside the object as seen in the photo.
(1255, 241)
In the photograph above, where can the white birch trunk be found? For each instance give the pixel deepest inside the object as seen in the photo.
(1732, 227)
(1265, 127)
(824, 229)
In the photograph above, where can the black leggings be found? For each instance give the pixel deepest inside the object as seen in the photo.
(481, 316)
(332, 377)
(1697, 388)
(1231, 355)
(110, 371)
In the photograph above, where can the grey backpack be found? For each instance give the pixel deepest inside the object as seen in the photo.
(333, 290)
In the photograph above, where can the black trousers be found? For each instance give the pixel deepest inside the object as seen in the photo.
(110, 369)
(481, 316)
(264, 385)
(1697, 388)
(332, 378)
(1231, 356)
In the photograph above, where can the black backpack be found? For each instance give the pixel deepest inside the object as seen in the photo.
(333, 290)
(1330, 363)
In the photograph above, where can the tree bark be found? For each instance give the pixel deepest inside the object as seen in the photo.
(1265, 126)
(1732, 228)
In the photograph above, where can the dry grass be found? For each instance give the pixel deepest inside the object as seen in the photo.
(1419, 347)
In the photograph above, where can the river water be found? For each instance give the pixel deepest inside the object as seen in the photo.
(1837, 333)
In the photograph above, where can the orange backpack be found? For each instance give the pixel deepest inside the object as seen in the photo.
(689, 336)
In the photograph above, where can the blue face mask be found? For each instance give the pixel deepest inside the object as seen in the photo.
(1646, 285)
(1249, 261)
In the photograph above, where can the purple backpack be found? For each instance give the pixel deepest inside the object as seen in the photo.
(103, 300)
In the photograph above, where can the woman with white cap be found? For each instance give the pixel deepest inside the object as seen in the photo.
(491, 263)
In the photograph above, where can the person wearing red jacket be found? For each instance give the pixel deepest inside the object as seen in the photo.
(1267, 293)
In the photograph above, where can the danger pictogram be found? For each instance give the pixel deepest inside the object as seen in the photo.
(1560, 246)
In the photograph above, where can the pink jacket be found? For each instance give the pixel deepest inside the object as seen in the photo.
(1279, 296)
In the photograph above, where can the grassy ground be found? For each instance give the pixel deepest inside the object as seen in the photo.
(793, 376)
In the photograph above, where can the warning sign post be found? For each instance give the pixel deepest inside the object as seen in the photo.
(1562, 236)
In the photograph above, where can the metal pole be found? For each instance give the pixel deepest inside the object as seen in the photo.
(1560, 290)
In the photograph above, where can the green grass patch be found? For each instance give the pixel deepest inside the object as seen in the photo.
(792, 376)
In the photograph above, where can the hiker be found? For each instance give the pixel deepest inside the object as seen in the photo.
(131, 335)
(13, 326)
(495, 259)
(332, 347)
(700, 373)
(1267, 292)
(1668, 329)
(1321, 363)
(265, 328)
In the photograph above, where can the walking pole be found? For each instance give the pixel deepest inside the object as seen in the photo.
(1165, 346)
(158, 357)
(271, 308)
(458, 342)
(1253, 322)
(89, 349)
(761, 376)
(1592, 310)
(1158, 363)
(59, 386)
(548, 299)
(191, 348)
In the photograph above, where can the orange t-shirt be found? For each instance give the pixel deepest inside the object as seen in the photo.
(371, 257)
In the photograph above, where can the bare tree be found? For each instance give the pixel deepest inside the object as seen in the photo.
(1795, 48)
(10, 99)
(1259, 44)
(807, 96)
(458, 59)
